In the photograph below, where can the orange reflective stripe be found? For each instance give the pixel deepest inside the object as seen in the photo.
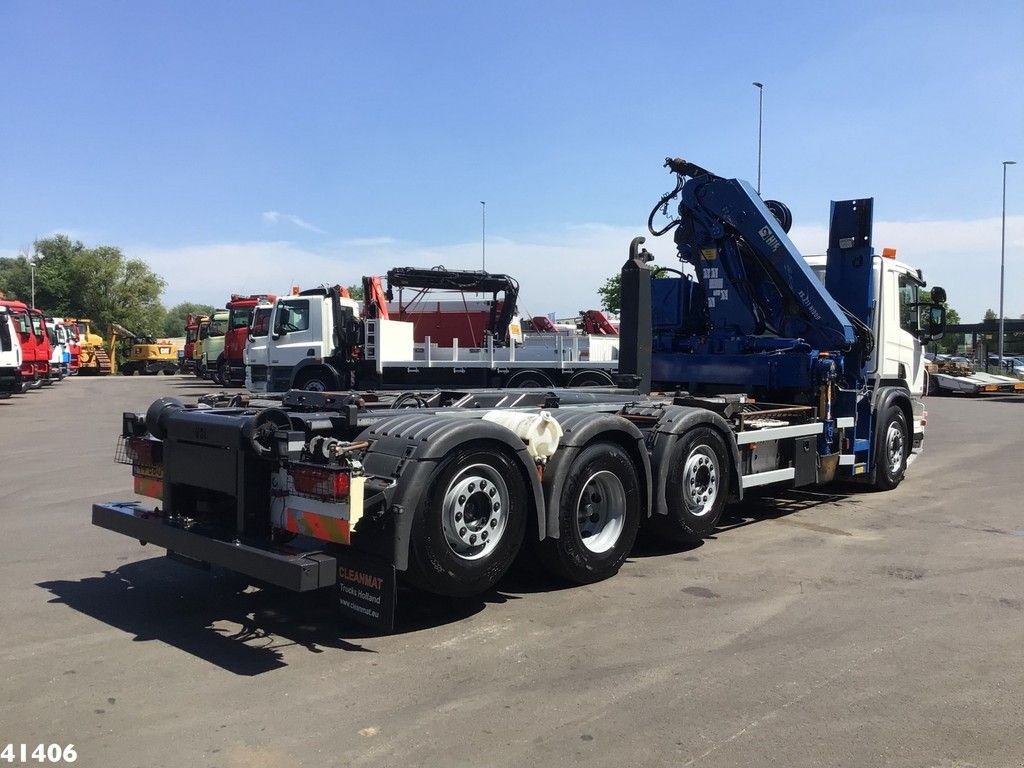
(149, 486)
(321, 527)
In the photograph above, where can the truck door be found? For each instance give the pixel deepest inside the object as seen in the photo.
(296, 334)
(900, 346)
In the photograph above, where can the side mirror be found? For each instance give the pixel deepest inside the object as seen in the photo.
(936, 322)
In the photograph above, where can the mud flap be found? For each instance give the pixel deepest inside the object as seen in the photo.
(366, 590)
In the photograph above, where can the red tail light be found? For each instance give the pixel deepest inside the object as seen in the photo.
(331, 483)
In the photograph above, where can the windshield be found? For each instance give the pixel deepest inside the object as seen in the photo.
(261, 322)
(37, 326)
(239, 318)
(83, 329)
(217, 327)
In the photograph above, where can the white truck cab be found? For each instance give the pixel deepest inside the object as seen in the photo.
(10, 355)
(898, 325)
(60, 354)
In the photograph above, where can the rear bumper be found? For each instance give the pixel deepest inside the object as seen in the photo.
(300, 571)
(236, 371)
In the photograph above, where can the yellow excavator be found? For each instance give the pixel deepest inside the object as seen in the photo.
(145, 355)
(93, 358)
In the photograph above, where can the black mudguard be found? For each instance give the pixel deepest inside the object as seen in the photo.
(316, 362)
(885, 396)
(677, 420)
(579, 430)
(407, 450)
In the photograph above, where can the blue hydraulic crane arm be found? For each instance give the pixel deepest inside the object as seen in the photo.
(755, 280)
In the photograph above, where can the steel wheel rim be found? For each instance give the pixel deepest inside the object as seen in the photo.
(601, 511)
(894, 441)
(315, 385)
(474, 511)
(701, 481)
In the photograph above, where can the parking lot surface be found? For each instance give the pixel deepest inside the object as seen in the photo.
(838, 628)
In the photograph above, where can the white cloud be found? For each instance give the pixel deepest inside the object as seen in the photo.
(273, 217)
(560, 270)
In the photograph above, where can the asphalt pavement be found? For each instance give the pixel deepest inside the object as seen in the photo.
(827, 628)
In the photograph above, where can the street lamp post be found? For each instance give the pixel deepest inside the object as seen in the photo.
(1002, 265)
(483, 236)
(32, 268)
(760, 116)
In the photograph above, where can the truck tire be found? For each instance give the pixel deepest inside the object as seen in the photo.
(591, 379)
(223, 373)
(891, 449)
(598, 516)
(470, 523)
(318, 380)
(529, 379)
(696, 488)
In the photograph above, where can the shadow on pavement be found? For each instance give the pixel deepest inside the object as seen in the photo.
(158, 599)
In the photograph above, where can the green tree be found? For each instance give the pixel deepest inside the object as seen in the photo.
(990, 314)
(356, 292)
(174, 320)
(611, 292)
(99, 283)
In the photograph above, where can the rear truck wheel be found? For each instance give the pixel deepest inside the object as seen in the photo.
(591, 379)
(223, 373)
(891, 449)
(696, 488)
(319, 380)
(598, 516)
(469, 525)
(529, 379)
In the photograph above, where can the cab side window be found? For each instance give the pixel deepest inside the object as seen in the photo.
(6, 342)
(909, 298)
(294, 316)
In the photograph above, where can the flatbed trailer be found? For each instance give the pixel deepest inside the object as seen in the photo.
(976, 383)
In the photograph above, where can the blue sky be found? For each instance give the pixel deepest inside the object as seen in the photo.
(264, 144)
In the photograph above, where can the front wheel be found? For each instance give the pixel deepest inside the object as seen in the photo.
(470, 523)
(696, 487)
(599, 514)
(316, 381)
(223, 374)
(891, 449)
